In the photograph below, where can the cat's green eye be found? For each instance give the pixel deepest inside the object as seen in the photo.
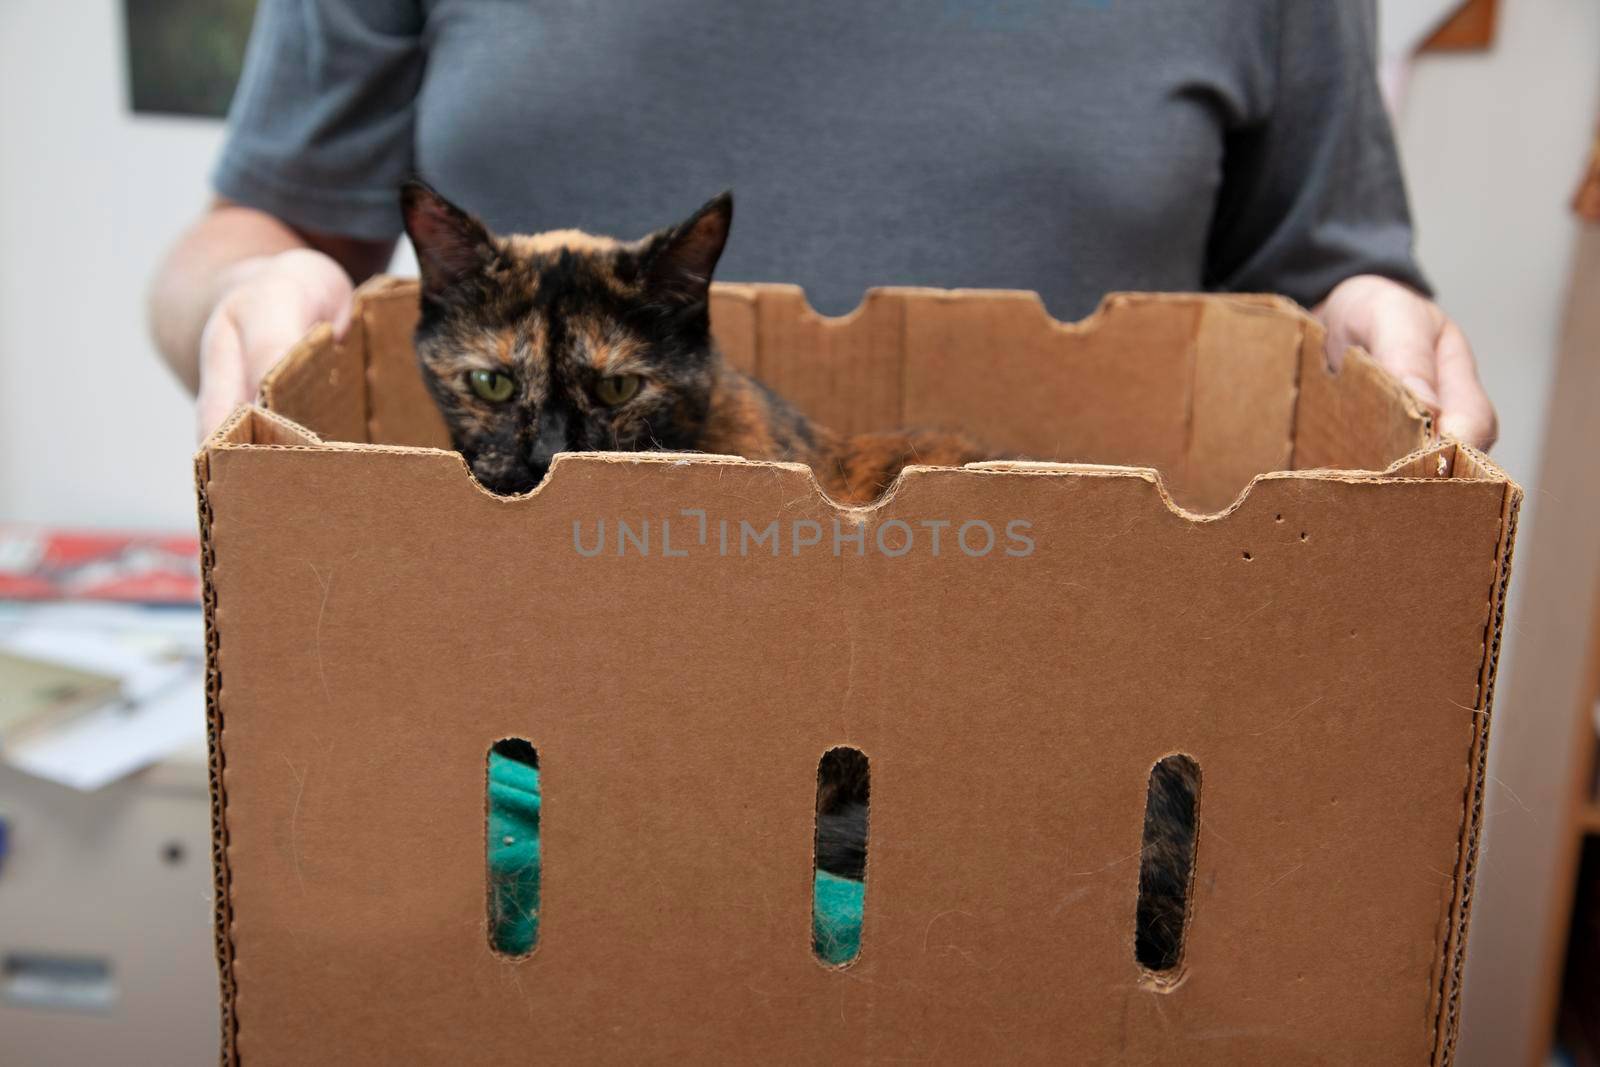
(492, 385)
(616, 389)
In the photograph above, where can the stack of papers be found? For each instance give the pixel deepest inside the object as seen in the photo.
(90, 692)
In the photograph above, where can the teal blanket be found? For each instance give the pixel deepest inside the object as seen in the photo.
(514, 874)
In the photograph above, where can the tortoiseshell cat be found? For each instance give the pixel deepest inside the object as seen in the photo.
(565, 342)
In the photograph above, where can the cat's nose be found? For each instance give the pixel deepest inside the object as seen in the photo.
(552, 438)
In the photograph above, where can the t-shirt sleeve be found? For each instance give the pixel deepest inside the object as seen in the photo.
(1311, 190)
(320, 130)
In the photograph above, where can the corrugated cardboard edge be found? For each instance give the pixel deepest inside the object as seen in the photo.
(221, 890)
(253, 427)
(1452, 968)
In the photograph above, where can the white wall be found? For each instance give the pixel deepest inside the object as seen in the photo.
(1494, 145)
(93, 430)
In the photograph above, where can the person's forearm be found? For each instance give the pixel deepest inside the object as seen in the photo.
(226, 243)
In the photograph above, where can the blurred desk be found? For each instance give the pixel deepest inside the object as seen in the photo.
(106, 951)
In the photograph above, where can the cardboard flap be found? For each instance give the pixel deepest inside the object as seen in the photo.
(1209, 390)
(846, 370)
(400, 411)
(1241, 410)
(1356, 417)
(322, 383)
(733, 320)
(1112, 389)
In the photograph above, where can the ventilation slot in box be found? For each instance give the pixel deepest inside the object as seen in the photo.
(840, 855)
(1166, 867)
(512, 852)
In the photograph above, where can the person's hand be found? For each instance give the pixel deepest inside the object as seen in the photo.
(1417, 342)
(266, 305)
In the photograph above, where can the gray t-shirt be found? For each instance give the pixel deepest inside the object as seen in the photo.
(1067, 146)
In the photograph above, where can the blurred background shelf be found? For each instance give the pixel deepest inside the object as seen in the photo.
(1563, 682)
(106, 945)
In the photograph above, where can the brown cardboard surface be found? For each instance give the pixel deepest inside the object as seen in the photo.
(400, 410)
(733, 311)
(1357, 417)
(323, 382)
(1242, 400)
(1323, 649)
(1207, 389)
(850, 367)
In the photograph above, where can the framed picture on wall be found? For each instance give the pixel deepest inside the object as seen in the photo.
(184, 56)
(1469, 29)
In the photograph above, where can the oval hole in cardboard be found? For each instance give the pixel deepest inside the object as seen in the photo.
(1166, 865)
(839, 855)
(512, 847)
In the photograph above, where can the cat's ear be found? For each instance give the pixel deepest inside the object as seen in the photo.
(678, 262)
(451, 245)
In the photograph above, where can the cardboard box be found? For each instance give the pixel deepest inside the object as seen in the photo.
(1271, 569)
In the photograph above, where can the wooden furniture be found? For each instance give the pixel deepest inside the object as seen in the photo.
(1578, 1007)
(1541, 805)
(1471, 28)
(1586, 201)
(106, 951)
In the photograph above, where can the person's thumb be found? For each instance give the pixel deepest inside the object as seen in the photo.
(1466, 412)
(1404, 343)
(222, 374)
(274, 321)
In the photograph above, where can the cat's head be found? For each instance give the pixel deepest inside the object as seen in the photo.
(563, 341)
